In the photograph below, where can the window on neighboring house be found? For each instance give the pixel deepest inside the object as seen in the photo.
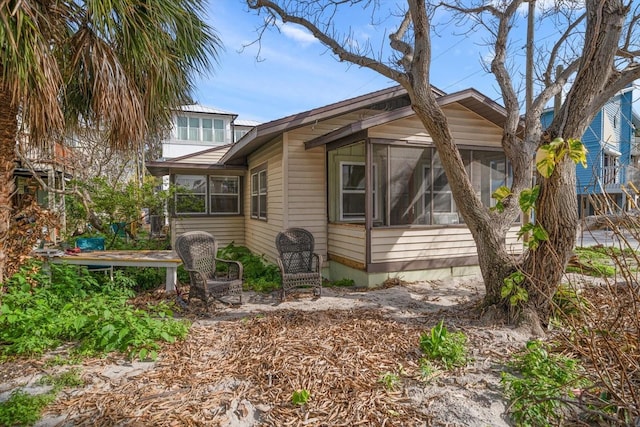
(352, 191)
(191, 194)
(239, 133)
(259, 194)
(183, 128)
(224, 194)
(610, 171)
(194, 129)
(218, 126)
(207, 130)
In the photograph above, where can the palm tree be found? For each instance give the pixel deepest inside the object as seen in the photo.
(117, 65)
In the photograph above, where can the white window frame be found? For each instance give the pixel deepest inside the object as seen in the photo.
(207, 132)
(342, 192)
(218, 130)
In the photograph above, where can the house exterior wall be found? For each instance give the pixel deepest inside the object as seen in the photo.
(305, 192)
(413, 252)
(226, 229)
(260, 235)
(467, 128)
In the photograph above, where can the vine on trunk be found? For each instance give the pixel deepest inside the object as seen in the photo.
(547, 157)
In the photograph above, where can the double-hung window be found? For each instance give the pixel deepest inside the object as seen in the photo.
(207, 130)
(259, 194)
(352, 191)
(224, 194)
(191, 194)
(183, 128)
(218, 126)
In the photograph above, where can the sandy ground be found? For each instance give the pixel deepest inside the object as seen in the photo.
(465, 397)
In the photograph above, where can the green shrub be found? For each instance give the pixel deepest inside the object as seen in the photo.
(23, 409)
(260, 275)
(442, 346)
(542, 382)
(71, 306)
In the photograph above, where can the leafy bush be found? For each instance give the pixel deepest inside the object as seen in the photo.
(447, 348)
(72, 306)
(544, 380)
(260, 275)
(23, 409)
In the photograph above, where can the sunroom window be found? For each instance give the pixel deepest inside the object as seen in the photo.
(409, 185)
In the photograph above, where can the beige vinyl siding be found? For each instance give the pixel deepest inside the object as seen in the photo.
(348, 241)
(468, 128)
(305, 189)
(226, 229)
(398, 244)
(391, 244)
(260, 235)
(206, 158)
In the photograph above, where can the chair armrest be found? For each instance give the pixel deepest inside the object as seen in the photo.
(316, 262)
(234, 269)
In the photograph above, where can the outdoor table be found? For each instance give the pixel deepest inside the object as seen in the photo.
(149, 258)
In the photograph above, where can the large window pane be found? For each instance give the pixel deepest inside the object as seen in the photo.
(489, 172)
(183, 128)
(191, 194)
(194, 129)
(207, 130)
(406, 184)
(224, 194)
(218, 126)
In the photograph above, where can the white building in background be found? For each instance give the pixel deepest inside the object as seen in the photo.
(198, 127)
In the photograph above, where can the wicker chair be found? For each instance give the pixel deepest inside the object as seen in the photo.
(198, 250)
(299, 265)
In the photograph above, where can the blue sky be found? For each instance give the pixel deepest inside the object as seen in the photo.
(297, 73)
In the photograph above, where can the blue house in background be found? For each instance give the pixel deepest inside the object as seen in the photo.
(610, 141)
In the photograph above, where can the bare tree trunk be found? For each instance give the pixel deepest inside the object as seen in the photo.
(8, 132)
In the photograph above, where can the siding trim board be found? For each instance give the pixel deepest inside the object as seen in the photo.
(422, 264)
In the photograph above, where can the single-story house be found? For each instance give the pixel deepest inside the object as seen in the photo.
(361, 174)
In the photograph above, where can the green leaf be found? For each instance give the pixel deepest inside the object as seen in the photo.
(545, 161)
(578, 152)
(505, 291)
(540, 233)
(528, 198)
(501, 193)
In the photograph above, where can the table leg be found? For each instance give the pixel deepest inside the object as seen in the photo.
(171, 279)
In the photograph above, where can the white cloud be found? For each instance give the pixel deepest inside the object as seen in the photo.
(298, 34)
